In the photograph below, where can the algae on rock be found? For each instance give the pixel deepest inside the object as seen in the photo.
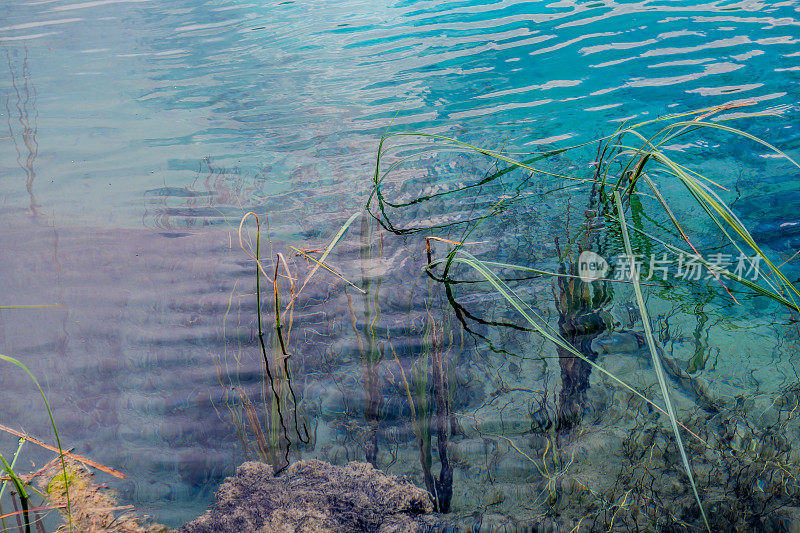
(315, 496)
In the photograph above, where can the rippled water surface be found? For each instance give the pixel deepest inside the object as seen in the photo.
(135, 135)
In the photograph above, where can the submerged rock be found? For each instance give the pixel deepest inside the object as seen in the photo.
(315, 496)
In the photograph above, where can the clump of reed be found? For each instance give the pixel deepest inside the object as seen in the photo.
(369, 346)
(275, 419)
(633, 163)
(428, 392)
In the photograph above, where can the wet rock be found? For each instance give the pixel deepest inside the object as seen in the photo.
(741, 438)
(618, 342)
(314, 496)
(771, 416)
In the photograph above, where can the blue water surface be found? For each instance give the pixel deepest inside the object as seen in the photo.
(134, 134)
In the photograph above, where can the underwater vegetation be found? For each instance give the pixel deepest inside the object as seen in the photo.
(673, 444)
(92, 507)
(633, 166)
(21, 484)
(453, 332)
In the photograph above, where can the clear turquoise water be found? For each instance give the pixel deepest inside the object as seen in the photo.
(136, 93)
(135, 133)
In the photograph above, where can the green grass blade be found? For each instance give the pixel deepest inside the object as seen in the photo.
(710, 201)
(41, 306)
(13, 462)
(18, 363)
(18, 483)
(718, 211)
(332, 245)
(662, 380)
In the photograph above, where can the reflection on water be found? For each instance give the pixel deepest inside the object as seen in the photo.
(22, 123)
(154, 126)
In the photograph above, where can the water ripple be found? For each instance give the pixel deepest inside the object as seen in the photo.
(180, 115)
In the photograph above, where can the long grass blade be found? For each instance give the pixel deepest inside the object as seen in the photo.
(19, 364)
(13, 462)
(662, 380)
(321, 260)
(40, 306)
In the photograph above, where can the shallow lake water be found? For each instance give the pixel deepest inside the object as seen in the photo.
(134, 135)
